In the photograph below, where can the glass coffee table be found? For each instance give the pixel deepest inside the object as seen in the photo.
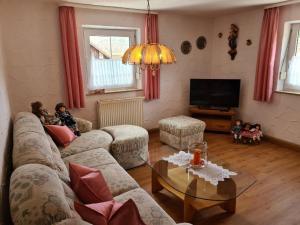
(195, 192)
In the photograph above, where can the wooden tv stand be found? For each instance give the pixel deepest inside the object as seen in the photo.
(216, 120)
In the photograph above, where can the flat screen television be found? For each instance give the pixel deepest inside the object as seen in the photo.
(215, 93)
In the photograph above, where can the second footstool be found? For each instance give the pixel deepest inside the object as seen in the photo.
(129, 146)
(179, 131)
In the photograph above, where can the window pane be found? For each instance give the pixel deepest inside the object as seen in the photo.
(101, 46)
(106, 68)
(118, 46)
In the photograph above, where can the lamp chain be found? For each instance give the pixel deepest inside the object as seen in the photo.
(148, 23)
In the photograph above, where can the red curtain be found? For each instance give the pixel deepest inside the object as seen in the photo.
(152, 78)
(73, 73)
(264, 80)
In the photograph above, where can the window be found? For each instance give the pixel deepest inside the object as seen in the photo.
(104, 50)
(289, 77)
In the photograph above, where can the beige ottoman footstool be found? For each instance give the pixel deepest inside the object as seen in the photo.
(180, 131)
(129, 146)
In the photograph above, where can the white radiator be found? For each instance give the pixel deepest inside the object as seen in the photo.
(120, 111)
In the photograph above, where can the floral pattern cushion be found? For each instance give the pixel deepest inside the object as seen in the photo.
(130, 158)
(87, 141)
(117, 179)
(181, 126)
(83, 125)
(27, 122)
(151, 213)
(37, 196)
(130, 145)
(31, 147)
(180, 143)
(93, 158)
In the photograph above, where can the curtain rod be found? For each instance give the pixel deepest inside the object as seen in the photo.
(289, 2)
(106, 8)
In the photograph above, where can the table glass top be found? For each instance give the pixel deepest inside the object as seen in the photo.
(181, 179)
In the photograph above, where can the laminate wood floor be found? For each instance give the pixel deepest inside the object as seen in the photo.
(273, 200)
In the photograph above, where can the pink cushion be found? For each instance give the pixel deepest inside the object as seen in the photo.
(89, 184)
(110, 213)
(62, 135)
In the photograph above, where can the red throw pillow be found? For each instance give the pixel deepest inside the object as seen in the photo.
(89, 184)
(96, 214)
(62, 135)
(110, 213)
(126, 214)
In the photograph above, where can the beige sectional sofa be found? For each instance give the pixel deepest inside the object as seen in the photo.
(39, 190)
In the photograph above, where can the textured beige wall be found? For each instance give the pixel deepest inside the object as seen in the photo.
(35, 67)
(4, 121)
(280, 118)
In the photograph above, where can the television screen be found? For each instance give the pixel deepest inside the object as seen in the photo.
(215, 92)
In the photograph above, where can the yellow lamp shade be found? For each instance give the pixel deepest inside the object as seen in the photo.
(149, 54)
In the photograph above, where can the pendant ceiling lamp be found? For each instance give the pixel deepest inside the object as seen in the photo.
(149, 55)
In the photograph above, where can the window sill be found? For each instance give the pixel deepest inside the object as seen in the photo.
(288, 92)
(103, 92)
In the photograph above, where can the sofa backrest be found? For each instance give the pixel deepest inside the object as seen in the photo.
(39, 191)
(38, 196)
(33, 145)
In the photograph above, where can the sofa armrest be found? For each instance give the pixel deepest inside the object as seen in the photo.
(83, 125)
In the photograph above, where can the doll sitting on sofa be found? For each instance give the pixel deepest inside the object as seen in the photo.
(42, 113)
(66, 118)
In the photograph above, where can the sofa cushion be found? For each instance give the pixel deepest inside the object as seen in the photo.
(83, 125)
(130, 145)
(92, 158)
(110, 213)
(87, 141)
(62, 135)
(88, 184)
(97, 213)
(37, 196)
(151, 213)
(27, 122)
(128, 136)
(117, 179)
(61, 168)
(33, 145)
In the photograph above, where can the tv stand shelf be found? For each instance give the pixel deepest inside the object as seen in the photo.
(216, 120)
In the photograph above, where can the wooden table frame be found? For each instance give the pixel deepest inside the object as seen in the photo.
(192, 204)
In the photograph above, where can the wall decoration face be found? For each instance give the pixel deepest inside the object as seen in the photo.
(186, 47)
(201, 42)
(232, 40)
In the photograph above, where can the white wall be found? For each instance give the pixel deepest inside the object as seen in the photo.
(280, 118)
(35, 64)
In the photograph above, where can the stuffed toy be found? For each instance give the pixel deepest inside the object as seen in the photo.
(237, 130)
(66, 118)
(246, 133)
(42, 113)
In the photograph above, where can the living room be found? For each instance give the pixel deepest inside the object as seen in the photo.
(32, 68)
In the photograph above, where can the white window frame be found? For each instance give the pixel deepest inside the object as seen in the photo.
(282, 69)
(88, 31)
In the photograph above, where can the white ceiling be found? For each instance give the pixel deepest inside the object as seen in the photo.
(195, 7)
